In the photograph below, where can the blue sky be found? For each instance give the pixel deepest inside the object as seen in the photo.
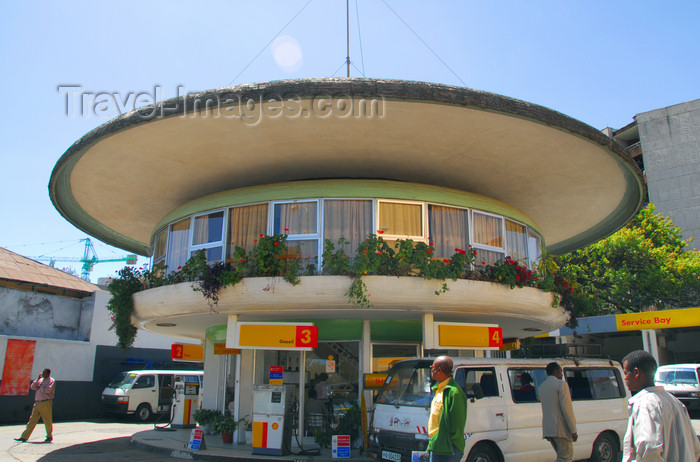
(601, 62)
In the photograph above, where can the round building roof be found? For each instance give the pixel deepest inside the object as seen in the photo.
(120, 180)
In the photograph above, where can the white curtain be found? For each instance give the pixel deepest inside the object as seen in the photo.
(400, 219)
(487, 230)
(516, 241)
(179, 244)
(349, 219)
(297, 217)
(449, 229)
(246, 224)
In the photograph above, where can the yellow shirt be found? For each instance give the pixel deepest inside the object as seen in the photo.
(436, 409)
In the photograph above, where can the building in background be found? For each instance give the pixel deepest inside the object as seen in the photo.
(665, 143)
(51, 319)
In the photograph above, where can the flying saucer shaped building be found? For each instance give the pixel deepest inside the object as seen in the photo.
(321, 159)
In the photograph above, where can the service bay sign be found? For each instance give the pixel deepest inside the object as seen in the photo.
(276, 336)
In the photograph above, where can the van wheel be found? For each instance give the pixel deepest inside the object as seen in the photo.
(483, 452)
(605, 449)
(143, 413)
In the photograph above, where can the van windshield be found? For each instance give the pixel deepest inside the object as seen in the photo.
(678, 377)
(407, 384)
(123, 381)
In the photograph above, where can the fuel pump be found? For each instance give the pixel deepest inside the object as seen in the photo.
(185, 399)
(273, 409)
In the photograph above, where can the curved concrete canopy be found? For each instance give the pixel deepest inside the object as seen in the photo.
(118, 181)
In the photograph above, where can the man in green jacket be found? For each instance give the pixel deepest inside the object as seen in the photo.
(448, 413)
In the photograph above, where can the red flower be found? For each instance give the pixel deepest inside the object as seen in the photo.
(242, 260)
(446, 260)
(277, 243)
(430, 243)
(261, 235)
(517, 278)
(255, 240)
(179, 267)
(474, 251)
(483, 262)
(429, 250)
(380, 231)
(286, 230)
(379, 252)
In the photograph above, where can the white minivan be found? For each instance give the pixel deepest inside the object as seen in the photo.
(682, 381)
(504, 416)
(144, 393)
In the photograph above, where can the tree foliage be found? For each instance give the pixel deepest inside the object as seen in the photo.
(644, 266)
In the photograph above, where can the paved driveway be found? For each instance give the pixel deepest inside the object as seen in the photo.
(93, 441)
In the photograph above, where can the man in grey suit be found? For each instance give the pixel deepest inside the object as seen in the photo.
(558, 420)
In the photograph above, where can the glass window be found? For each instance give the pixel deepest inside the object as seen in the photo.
(207, 235)
(408, 385)
(304, 250)
(159, 248)
(488, 230)
(347, 219)
(208, 228)
(401, 219)
(145, 381)
(246, 224)
(213, 254)
(448, 229)
(386, 355)
(178, 248)
(487, 257)
(297, 217)
(534, 247)
(516, 241)
(525, 382)
(594, 383)
(475, 379)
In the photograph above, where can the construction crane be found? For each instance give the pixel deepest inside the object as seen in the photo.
(89, 259)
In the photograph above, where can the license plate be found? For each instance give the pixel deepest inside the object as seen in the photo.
(393, 456)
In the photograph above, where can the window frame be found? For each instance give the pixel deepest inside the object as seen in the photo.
(209, 245)
(395, 237)
(300, 237)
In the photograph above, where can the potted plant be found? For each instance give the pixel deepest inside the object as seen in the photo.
(226, 425)
(247, 425)
(205, 418)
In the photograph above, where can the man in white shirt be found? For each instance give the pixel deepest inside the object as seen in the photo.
(659, 428)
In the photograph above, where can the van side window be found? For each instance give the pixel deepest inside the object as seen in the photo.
(603, 383)
(482, 377)
(524, 384)
(145, 381)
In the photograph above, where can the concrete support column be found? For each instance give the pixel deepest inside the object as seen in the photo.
(213, 378)
(366, 365)
(650, 343)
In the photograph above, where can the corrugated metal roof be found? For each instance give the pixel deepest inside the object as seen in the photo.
(15, 267)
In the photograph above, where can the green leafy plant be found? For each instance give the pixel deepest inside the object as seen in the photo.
(349, 424)
(225, 423)
(205, 416)
(375, 256)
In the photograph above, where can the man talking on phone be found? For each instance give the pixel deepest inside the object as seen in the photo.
(45, 387)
